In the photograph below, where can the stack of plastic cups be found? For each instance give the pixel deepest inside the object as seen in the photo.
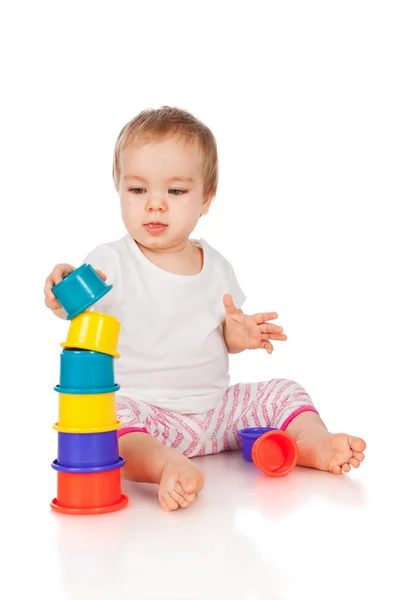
(88, 463)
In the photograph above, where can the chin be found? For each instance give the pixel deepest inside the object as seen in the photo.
(151, 241)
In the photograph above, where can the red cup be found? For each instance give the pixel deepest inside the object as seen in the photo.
(89, 493)
(275, 453)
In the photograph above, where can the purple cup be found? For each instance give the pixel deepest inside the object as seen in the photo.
(248, 438)
(87, 450)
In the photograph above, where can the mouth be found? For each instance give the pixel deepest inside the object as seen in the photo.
(155, 227)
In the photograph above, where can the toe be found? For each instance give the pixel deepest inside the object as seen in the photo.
(346, 468)
(188, 483)
(337, 470)
(167, 502)
(354, 463)
(163, 504)
(359, 456)
(180, 483)
(179, 498)
(357, 444)
(192, 484)
(189, 497)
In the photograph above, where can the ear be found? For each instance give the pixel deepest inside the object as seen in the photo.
(206, 205)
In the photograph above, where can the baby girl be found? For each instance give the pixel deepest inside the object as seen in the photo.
(180, 308)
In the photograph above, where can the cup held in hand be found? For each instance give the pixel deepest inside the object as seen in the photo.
(79, 290)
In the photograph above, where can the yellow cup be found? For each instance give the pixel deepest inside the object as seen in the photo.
(94, 331)
(86, 413)
(58, 427)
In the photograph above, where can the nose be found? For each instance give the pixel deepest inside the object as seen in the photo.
(156, 202)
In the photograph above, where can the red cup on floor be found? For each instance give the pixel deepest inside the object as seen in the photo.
(89, 493)
(275, 453)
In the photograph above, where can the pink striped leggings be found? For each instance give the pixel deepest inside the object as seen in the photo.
(271, 403)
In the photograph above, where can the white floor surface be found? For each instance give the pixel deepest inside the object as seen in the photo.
(308, 535)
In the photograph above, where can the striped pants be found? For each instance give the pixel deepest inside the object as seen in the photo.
(271, 403)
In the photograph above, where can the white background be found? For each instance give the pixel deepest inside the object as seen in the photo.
(303, 99)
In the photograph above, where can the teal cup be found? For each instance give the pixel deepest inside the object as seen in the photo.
(79, 290)
(86, 372)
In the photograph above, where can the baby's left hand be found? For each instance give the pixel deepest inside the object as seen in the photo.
(242, 332)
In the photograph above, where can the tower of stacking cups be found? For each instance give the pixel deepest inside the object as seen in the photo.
(88, 464)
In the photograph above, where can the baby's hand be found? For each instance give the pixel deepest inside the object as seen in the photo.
(57, 275)
(242, 332)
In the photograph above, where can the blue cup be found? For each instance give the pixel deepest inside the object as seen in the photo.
(87, 450)
(86, 372)
(99, 469)
(248, 438)
(79, 290)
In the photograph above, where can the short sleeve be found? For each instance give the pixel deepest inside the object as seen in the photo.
(106, 259)
(235, 290)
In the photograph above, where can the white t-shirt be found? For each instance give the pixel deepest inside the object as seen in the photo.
(173, 353)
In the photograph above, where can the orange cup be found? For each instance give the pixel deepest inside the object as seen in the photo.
(89, 493)
(275, 453)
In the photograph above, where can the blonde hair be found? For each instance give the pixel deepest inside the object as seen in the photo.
(174, 122)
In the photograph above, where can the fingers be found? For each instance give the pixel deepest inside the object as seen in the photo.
(58, 273)
(269, 331)
(102, 275)
(280, 337)
(266, 343)
(262, 317)
(276, 338)
(229, 305)
(268, 346)
(49, 297)
(52, 304)
(270, 328)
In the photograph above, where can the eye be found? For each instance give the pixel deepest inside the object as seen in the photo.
(178, 192)
(136, 190)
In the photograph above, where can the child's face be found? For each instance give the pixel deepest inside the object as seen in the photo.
(161, 182)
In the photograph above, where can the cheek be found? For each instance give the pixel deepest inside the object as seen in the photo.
(184, 211)
(186, 218)
(130, 202)
(129, 208)
(191, 207)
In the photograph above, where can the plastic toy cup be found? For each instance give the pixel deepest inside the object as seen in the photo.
(89, 493)
(273, 451)
(94, 331)
(88, 470)
(85, 413)
(86, 372)
(79, 290)
(88, 449)
(249, 437)
(115, 426)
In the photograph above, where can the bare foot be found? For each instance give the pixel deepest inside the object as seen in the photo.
(149, 461)
(334, 452)
(180, 481)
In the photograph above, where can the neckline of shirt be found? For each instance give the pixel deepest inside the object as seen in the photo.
(132, 245)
